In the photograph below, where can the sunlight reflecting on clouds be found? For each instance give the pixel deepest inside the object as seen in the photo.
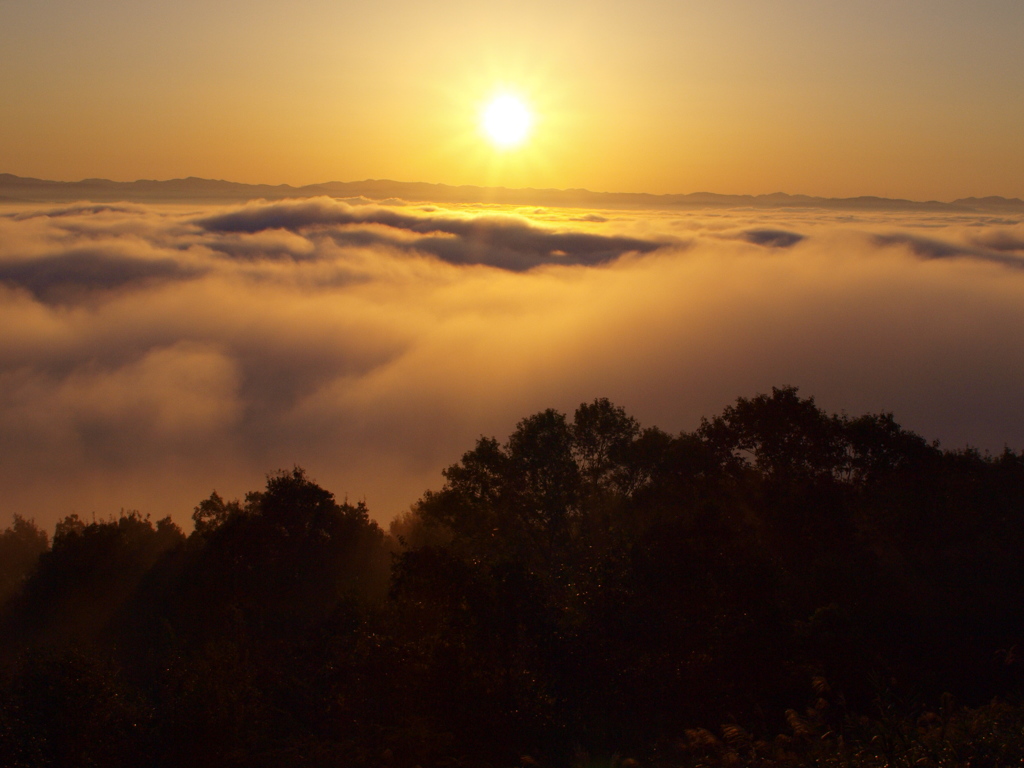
(152, 353)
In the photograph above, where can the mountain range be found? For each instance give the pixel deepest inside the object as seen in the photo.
(18, 189)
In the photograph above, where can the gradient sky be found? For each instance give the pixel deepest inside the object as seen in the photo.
(918, 99)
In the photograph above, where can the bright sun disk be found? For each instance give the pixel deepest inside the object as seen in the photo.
(506, 121)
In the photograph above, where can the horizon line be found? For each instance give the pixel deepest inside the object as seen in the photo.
(7, 179)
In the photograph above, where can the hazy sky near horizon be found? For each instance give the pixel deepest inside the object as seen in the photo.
(921, 99)
(152, 354)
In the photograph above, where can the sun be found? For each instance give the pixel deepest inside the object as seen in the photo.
(506, 121)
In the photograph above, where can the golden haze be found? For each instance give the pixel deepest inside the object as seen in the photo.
(736, 96)
(153, 353)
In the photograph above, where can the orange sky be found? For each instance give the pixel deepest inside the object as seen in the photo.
(911, 99)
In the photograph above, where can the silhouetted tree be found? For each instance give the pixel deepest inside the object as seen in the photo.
(787, 437)
(211, 513)
(587, 586)
(20, 548)
(91, 571)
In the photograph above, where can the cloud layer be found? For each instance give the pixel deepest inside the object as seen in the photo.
(498, 240)
(153, 353)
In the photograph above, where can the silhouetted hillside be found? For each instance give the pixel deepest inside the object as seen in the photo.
(781, 586)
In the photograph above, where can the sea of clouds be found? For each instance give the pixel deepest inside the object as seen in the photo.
(150, 354)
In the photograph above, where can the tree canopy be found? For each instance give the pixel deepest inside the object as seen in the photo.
(586, 586)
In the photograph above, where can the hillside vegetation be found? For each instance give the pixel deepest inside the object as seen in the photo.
(780, 587)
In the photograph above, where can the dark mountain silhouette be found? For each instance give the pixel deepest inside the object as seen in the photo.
(30, 190)
(993, 203)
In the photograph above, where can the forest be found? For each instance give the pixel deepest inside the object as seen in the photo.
(779, 587)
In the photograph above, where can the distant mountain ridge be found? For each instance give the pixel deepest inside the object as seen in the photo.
(18, 189)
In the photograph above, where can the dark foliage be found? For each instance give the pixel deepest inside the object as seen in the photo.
(20, 548)
(586, 588)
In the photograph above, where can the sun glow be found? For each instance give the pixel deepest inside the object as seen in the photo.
(504, 126)
(506, 121)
